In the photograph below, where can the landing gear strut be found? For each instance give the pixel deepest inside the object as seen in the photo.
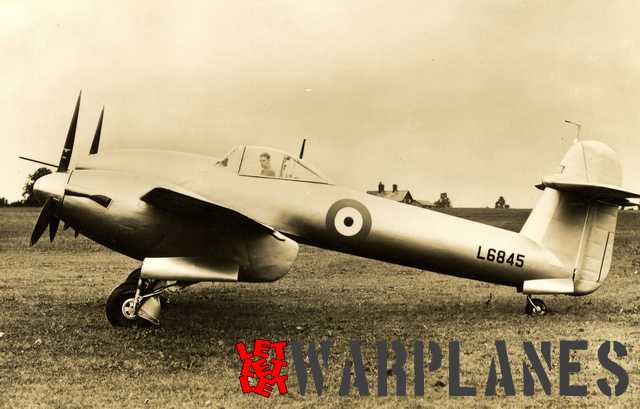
(535, 306)
(136, 302)
(121, 308)
(126, 302)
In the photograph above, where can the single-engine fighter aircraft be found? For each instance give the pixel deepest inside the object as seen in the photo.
(191, 218)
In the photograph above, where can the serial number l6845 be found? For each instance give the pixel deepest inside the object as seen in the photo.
(500, 257)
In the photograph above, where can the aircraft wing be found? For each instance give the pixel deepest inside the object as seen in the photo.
(192, 205)
(264, 255)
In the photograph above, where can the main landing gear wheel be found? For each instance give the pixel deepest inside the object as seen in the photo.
(535, 306)
(137, 302)
(133, 277)
(121, 307)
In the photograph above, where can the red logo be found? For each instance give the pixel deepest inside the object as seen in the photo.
(261, 368)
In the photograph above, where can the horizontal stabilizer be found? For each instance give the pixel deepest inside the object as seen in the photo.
(607, 193)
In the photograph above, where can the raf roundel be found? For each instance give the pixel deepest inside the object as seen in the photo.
(349, 219)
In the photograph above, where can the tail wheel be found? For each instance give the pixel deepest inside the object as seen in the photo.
(120, 307)
(535, 306)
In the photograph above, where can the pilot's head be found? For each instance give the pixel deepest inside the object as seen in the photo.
(265, 160)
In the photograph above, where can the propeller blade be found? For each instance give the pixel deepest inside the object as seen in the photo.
(65, 158)
(54, 222)
(96, 136)
(38, 161)
(43, 220)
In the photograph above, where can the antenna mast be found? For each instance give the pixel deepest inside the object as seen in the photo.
(304, 142)
(578, 126)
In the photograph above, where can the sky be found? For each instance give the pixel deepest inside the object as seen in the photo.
(464, 97)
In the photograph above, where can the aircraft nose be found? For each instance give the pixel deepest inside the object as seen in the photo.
(51, 185)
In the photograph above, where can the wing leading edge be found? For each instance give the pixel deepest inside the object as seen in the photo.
(191, 205)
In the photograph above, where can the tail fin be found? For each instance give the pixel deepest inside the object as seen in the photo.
(576, 216)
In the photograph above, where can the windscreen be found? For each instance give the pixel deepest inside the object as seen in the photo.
(272, 163)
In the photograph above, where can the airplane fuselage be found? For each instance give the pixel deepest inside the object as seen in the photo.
(191, 218)
(318, 214)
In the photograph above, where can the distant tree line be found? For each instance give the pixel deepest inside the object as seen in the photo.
(445, 202)
(28, 199)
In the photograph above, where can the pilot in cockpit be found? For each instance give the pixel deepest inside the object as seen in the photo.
(265, 163)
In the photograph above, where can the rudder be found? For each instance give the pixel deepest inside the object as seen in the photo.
(577, 214)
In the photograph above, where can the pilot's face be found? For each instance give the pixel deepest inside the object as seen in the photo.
(264, 162)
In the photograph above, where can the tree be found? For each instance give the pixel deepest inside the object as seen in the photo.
(27, 190)
(443, 201)
(4, 202)
(501, 203)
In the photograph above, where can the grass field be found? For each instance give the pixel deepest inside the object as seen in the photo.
(58, 350)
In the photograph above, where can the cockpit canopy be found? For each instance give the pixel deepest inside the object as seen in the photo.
(260, 161)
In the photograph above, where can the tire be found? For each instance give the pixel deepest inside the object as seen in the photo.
(529, 309)
(133, 277)
(115, 303)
